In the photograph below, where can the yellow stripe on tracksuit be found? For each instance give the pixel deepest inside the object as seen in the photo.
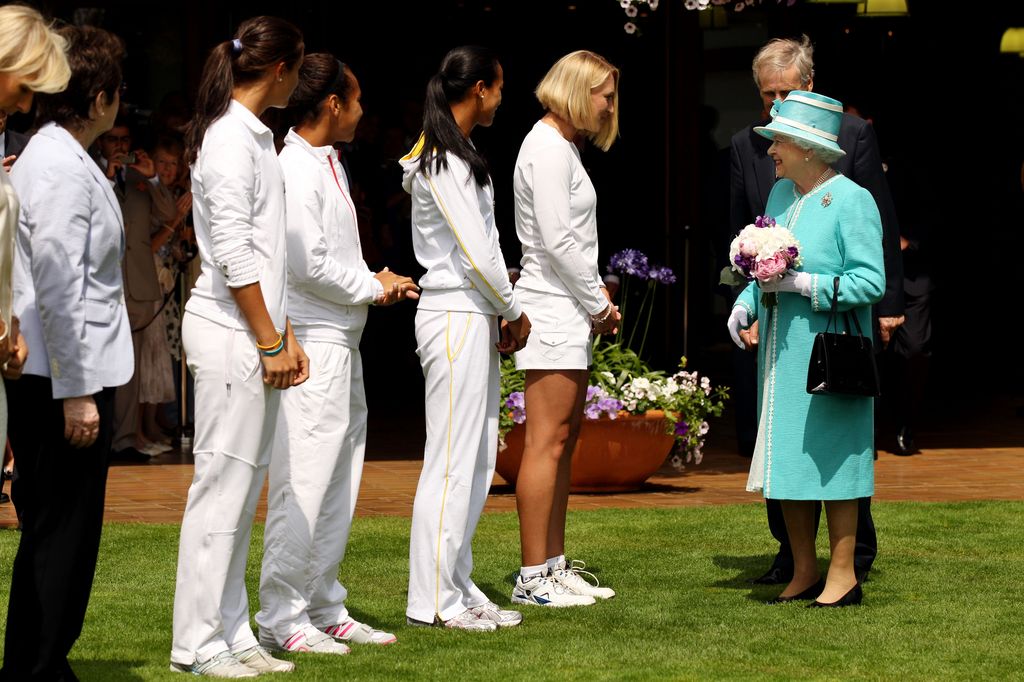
(451, 224)
(448, 453)
(413, 153)
(416, 149)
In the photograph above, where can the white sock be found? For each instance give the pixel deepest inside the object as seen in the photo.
(555, 563)
(528, 572)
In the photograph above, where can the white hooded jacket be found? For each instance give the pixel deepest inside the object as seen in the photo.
(329, 283)
(456, 240)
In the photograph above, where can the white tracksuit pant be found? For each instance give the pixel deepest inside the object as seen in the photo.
(315, 471)
(235, 417)
(460, 365)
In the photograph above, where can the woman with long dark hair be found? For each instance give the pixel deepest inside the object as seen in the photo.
(465, 290)
(239, 344)
(317, 460)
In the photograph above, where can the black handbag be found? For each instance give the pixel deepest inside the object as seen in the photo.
(842, 363)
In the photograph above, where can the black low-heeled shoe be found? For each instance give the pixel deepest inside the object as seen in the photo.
(810, 593)
(851, 598)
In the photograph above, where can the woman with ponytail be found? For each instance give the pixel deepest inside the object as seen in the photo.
(465, 290)
(238, 341)
(317, 458)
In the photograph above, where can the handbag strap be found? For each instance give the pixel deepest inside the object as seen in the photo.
(835, 307)
(833, 313)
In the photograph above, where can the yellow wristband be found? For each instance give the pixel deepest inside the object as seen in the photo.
(280, 340)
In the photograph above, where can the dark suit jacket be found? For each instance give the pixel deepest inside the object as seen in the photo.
(14, 143)
(752, 176)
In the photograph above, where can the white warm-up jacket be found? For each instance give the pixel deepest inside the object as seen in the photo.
(556, 220)
(456, 240)
(329, 283)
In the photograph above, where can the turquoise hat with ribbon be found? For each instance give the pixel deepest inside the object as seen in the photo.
(806, 116)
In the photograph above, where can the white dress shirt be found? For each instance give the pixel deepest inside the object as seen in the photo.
(456, 240)
(556, 220)
(329, 283)
(238, 209)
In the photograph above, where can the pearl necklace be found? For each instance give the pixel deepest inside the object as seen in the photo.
(793, 214)
(821, 178)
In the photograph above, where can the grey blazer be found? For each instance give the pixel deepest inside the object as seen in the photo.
(67, 276)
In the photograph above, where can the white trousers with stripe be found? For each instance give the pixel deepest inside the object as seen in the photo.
(235, 417)
(460, 365)
(315, 471)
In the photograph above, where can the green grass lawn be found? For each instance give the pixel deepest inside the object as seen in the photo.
(944, 601)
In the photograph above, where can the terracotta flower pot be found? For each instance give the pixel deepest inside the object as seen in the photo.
(611, 455)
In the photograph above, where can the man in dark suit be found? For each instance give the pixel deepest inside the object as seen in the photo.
(782, 66)
(130, 180)
(11, 143)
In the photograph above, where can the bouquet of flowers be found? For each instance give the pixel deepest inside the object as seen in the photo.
(621, 383)
(761, 251)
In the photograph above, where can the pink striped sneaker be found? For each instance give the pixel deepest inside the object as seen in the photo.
(352, 631)
(306, 639)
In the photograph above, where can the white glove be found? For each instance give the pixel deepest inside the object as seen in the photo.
(737, 320)
(790, 283)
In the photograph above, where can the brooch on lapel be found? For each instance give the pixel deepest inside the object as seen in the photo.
(826, 200)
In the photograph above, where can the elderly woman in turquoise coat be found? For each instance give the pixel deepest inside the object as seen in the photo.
(813, 447)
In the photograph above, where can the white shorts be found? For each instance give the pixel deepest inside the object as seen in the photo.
(560, 332)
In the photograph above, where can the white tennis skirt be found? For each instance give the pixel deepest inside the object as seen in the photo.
(560, 332)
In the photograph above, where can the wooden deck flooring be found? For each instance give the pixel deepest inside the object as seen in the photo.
(156, 492)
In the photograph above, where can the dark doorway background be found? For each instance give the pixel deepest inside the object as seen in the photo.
(946, 104)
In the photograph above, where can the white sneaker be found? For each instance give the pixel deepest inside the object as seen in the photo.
(306, 639)
(259, 659)
(467, 620)
(571, 576)
(542, 591)
(359, 633)
(503, 618)
(222, 665)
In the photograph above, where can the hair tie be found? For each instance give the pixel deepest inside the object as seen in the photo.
(236, 46)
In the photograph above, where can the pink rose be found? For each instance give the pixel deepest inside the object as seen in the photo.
(747, 248)
(767, 268)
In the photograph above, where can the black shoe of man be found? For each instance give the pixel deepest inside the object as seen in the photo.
(774, 576)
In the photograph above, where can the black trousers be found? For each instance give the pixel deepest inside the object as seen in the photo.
(60, 491)
(863, 554)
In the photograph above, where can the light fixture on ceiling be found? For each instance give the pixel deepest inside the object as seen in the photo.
(1013, 41)
(883, 8)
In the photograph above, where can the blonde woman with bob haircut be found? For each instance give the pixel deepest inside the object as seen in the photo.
(561, 290)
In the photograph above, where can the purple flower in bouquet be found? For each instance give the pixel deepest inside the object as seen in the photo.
(763, 251)
(629, 262)
(661, 273)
